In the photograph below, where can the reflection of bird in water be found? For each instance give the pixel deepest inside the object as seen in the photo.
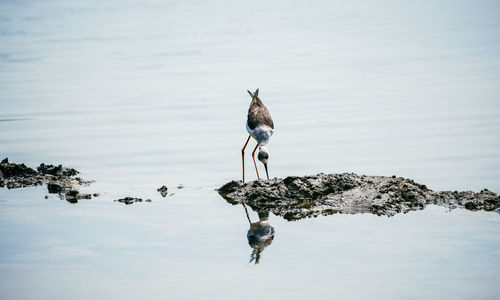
(260, 235)
(260, 126)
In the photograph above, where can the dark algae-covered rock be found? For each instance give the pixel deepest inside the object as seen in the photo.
(295, 197)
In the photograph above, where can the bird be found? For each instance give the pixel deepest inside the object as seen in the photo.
(260, 126)
(259, 235)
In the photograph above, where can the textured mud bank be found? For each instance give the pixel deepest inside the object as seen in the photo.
(58, 179)
(295, 198)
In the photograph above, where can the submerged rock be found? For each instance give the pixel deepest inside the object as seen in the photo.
(131, 200)
(295, 197)
(73, 196)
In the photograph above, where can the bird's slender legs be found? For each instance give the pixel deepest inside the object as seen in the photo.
(254, 163)
(253, 157)
(243, 157)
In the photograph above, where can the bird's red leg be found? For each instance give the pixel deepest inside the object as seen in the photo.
(243, 157)
(254, 163)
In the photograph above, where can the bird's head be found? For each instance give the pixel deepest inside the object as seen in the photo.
(263, 157)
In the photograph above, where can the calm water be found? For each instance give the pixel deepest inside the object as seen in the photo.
(138, 94)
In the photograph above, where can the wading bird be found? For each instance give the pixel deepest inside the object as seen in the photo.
(260, 235)
(260, 126)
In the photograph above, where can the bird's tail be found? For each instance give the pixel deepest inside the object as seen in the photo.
(255, 94)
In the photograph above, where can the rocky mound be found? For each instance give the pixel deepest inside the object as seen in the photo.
(59, 180)
(295, 198)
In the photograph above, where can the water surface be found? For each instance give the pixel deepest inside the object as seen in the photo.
(139, 94)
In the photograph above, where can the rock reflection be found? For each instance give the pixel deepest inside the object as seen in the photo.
(260, 235)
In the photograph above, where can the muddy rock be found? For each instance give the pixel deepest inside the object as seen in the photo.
(163, 191)
(59, 180)
(54, 188)
(56, 170)
(10, 170)
(295, 197)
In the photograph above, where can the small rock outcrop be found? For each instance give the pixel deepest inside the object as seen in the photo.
(56, 170)
(163, 191)
(295, 197)
(59, 180)
(131, 200)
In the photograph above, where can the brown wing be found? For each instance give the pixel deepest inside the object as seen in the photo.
(258, 115)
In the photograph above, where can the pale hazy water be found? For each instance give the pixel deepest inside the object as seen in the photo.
(140, 94)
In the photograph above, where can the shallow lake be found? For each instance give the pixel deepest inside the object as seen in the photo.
(140, 94)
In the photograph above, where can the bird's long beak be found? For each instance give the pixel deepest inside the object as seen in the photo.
(265, 165)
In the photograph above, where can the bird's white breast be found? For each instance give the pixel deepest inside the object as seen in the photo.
(261, 133)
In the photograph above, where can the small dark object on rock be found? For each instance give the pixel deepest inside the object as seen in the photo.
(54, 188)
(72, 193)
(129, 200)
(148, 200)
(46, 197)
(73, 196)
(95, 195)
(295, 197)
(180, 187)
(163, 191)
